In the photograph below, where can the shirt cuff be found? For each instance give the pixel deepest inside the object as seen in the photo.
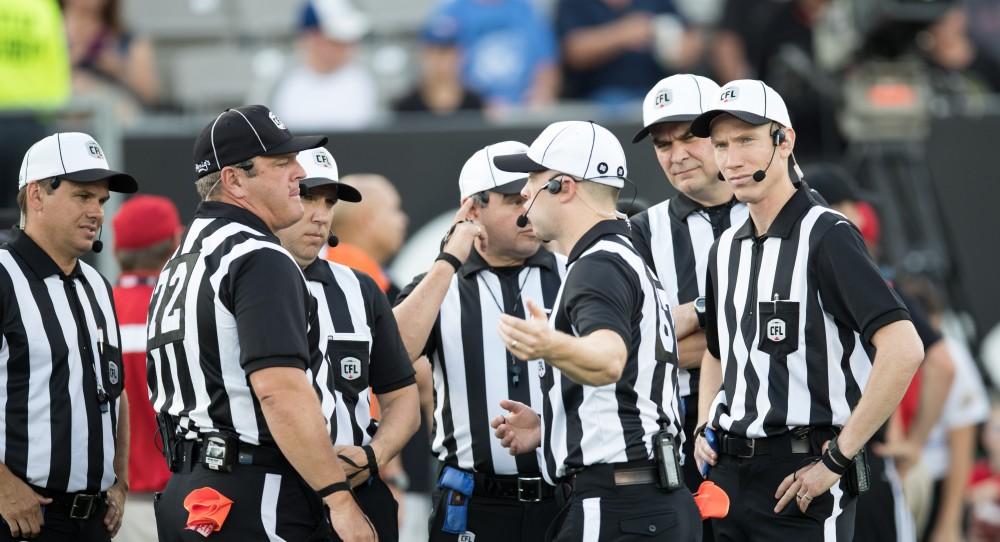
(885, 319)
(393, 386)
(255, 365)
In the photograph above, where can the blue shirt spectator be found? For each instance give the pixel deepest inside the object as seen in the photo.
(608, 47)
(509, 51)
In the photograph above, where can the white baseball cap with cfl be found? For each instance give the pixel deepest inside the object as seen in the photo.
(749, 100)
(678, 98)
(583, 149)
(321, 170)
(71, 156)
(480, 173)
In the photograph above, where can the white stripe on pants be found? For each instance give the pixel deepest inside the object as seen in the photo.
(269, 506)
(591, 519)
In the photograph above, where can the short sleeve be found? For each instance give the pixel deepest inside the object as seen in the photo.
(711, 314)
(391, 367)
(268, 296)
(602, 292)
(641, 235)
(850, 286)
(431, 344)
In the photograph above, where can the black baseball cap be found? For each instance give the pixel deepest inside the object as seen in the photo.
(240, 134)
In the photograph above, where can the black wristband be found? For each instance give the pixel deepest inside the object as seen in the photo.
(333, 488)
(372, 463)
(700, 430)
(831, 464)
(450, 260)
(837, 455)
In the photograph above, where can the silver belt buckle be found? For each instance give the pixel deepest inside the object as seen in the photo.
(83, 506)
(523, 483)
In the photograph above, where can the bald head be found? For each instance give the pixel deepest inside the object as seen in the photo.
(377, 224)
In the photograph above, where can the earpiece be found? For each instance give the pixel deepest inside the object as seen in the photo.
(554, 186)
(778, 136)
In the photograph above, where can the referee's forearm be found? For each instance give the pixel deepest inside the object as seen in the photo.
(400, 420)
(122, 441)
(416, 314)
(899, 353)
(709, 384)
(596, 359)
(294, 417)
(938, 374)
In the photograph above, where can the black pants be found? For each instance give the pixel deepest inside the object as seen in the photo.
(60, 528)
(268, 503)
(597, 510)
(882, 512)
(751, 484)
(377, 502)
(496, 520)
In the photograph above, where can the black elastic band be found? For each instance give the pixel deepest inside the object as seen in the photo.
(836, 454)
(450, 260)
(333, 488)
(831, 464)
(372, 462)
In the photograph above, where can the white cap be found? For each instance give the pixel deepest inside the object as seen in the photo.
(341, 21)
(73, 156)
(479, 173)
(678, 98)
(321, 169)
(583, 149)
(749, 100)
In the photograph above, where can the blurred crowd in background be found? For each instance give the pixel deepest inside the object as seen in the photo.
(341, 65)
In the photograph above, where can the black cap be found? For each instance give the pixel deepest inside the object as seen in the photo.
(240, 134)
(345, 192)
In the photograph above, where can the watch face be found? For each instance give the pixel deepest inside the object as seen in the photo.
(699, 304)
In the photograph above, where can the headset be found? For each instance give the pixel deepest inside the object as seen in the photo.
(554, 186)
(777, 138)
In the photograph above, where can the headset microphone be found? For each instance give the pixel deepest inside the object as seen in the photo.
(98, 245)
(522, 220)
(332, 241)
(778, 138)
(553, 187)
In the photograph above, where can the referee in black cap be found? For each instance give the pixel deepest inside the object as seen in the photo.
(64, 424)
(228, 354)
(809, 351)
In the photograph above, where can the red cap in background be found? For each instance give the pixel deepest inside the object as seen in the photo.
(143, 221)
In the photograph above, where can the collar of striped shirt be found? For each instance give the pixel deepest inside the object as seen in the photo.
(787, 218)
(319, 270)
(681, 206)
(601, 229)
(217, 209)
(37, 259)
(476, 263)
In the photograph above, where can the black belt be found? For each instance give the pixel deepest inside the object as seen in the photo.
(519, 488)
(799, 441)
(74, 505)
(617, 474)
(192, 453)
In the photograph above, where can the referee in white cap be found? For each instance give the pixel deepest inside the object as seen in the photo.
(609, 425)
(809, 351)
(64, 451)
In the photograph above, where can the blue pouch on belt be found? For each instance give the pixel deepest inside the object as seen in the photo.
(459, 485)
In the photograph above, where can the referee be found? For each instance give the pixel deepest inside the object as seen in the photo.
(609, 421)
(64, 427)
(491, 263)
(359, 346)
(803, 324)
(228, 352)
(674, 236)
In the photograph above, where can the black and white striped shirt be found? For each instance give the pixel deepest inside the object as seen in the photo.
(472, 368)
(674, 238)
(359, 349)
(60, 347)
(609, 286)
(229, 302)
(791, 314)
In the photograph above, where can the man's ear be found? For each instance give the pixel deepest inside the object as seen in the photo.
(788, 145)
(232, 183)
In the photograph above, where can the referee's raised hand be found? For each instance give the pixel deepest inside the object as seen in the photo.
(527, 339)
(21, 507)
(464, 231)
(520, 430)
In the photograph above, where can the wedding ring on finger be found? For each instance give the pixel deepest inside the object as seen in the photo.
(513, 344)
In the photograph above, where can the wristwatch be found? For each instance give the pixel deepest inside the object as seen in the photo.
(699, 310)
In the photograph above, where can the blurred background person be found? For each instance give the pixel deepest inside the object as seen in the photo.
(329, 88)
(509, 53)
(439, 89)
(147, 230)
(983, 492)
(957, 62)
(610, 47)
(107, 58)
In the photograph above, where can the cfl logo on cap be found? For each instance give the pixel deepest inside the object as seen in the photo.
(322, 159)
(277, 122)
(728, 95)
(663, 99)
(95, 150)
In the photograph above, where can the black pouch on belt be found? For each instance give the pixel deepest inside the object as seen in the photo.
(858, 476)
(668, 463)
